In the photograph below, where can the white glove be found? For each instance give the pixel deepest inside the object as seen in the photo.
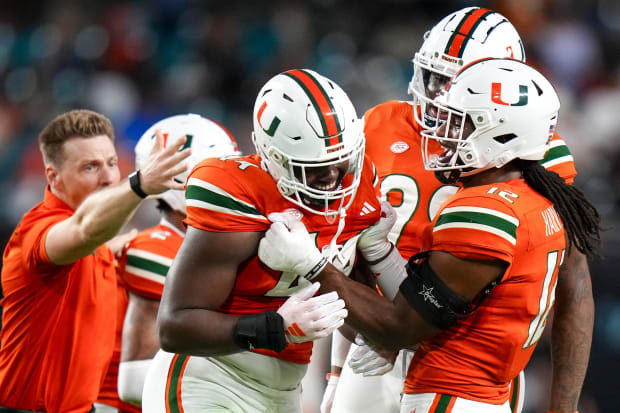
(288, 247)
(330, 392)
(370, 361)
(373, 243)
(308, 318)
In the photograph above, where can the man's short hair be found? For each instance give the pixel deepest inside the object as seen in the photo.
(79, 123)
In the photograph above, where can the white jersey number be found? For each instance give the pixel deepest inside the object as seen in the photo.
(546, 300)
(409, 191)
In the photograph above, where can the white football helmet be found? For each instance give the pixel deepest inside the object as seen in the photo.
(467, 35)
(303, 120)
(492, 112)
(207, 139)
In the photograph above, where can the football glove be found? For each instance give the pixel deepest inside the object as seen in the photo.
(373, 242)
(308, 317)
(369, 361)
(288, 247)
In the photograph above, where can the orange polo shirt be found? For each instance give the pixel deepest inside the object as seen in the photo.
(58, 329)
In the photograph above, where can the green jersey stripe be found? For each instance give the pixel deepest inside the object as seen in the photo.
(139, 272)
(556, 152)
(480, 210)
(548, 164)
(147, 265)
(480, 219)
(213, 188)
(477, 227)
(160, 259)
(209, 196)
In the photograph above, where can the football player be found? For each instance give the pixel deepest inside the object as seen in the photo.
(145, 260)
(477, 299)
(237, 335)
(393, 143)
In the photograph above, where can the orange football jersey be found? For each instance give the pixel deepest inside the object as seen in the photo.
(393, 143)
(478, 356)
(237, 195)
(147, 258)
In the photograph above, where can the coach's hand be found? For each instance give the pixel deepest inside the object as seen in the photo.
(308, 317)
(164, 163)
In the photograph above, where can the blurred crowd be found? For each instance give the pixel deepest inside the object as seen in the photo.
(139, 61)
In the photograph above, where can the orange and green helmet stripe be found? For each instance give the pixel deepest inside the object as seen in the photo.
(464, 31)
(322, 103)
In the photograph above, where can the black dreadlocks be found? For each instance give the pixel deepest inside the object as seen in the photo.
(580, 218)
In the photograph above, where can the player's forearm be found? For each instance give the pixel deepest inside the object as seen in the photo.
(571, 333)
(389, 325)
(198, 332)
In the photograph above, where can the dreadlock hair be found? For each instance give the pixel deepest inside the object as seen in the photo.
(580, 218)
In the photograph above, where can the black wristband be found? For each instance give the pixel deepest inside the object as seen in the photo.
(134, 183)
(262, 330)
(316, 269)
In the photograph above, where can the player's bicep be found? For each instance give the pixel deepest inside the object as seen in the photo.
(204, 270)
(466, 277)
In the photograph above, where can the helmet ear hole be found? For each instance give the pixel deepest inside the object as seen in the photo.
(505, 138)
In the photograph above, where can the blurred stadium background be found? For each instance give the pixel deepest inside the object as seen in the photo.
(140, 61)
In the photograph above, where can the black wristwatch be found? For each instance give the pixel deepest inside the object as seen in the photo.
(134, 183)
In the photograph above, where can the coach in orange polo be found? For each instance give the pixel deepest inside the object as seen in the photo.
(58, 275)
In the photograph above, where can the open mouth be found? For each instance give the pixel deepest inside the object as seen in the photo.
(321, 202)
(431, 111)
(446, 157)
(443, 159)
(328, 187)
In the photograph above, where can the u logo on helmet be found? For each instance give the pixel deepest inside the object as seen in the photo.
(188, 142)
(496, 95)
(274, 123)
